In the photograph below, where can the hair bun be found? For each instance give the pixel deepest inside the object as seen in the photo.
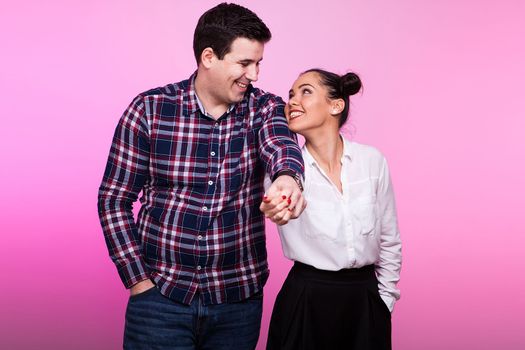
(350, 84)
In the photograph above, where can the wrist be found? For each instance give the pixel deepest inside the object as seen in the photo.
(296, 177)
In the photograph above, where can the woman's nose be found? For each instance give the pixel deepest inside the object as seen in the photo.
(292, 101)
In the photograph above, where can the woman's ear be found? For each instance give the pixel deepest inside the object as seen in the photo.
(337, 106)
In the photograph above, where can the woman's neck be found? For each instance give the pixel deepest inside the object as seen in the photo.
(327, 150)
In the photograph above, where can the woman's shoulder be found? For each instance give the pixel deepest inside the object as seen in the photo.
(362, 151)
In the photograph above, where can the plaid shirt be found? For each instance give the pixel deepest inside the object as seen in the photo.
(199, 229)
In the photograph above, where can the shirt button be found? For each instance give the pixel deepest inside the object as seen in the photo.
(199, 237)
(212, 153)
(205, 208)
(199, 267)
(210, 182)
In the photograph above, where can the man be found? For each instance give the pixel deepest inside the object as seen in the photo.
(195, 260)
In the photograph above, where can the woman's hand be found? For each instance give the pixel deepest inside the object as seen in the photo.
(283, 201)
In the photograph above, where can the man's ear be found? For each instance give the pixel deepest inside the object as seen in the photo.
(208, 57)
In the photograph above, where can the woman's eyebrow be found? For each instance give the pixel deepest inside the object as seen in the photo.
(306, 84)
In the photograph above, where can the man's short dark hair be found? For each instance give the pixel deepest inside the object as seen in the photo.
(220, 26)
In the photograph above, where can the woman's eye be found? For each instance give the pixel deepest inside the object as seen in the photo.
(306, 91)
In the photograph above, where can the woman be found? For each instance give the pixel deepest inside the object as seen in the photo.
(341, 290)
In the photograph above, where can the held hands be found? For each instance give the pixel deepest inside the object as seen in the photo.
(283, 201)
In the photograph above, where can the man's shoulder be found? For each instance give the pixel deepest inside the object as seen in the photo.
(169, 91)
(265, 99)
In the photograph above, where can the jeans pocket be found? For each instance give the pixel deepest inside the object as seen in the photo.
(143, 294)
(257, 296)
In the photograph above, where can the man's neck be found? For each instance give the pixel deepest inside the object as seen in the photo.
(213, 107)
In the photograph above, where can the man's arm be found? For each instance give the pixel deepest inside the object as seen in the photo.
(282, 157)
(124, 177)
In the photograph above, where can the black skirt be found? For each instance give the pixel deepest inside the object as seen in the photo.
(317, 309)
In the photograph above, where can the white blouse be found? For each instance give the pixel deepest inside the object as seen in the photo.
(352, 229)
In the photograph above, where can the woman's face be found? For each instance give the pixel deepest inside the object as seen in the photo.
(308, 106)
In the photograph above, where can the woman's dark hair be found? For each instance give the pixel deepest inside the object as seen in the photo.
(339, 86)
(220, 26)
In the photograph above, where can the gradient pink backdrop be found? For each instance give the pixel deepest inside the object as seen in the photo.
(443, 99)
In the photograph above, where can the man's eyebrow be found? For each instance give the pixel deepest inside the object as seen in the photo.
(247, 60)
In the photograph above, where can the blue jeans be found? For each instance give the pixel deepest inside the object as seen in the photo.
(154, 321)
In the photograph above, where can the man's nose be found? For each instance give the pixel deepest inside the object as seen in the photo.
(252, 72)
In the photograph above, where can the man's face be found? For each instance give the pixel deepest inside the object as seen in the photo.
(236, 70)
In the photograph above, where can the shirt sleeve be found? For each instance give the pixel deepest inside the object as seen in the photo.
(124, 177)
(278, 148)
(389, 266)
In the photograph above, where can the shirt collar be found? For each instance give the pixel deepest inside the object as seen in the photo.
(307, 157)
(347, 148)
(347, 152)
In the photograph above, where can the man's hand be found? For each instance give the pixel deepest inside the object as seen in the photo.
(283, 201)
(141, 287)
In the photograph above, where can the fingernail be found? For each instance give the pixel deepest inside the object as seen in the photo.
(289, 201)
(284, 197)
(290, 209)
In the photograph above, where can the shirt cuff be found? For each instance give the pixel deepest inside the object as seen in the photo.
(133, 272)
(389, 301)
(298, 178)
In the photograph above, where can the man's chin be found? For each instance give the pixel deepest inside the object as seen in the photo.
(237, 98)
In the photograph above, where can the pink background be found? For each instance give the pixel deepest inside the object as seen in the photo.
(443, 99)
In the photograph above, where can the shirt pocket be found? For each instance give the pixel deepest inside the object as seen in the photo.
(364, 212)
(322, 221)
